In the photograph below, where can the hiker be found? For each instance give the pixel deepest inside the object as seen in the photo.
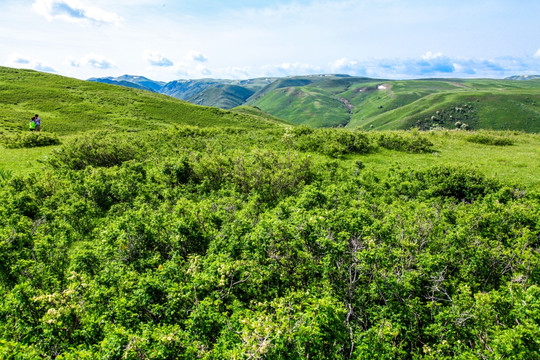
(33, 124)
(38, 123)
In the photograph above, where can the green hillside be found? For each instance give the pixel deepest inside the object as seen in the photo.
(229, 235)
(67, 106)
(383, 104)
(222, 96)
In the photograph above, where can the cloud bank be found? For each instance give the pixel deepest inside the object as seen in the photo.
(74, 11)
(94, 60)
(197, 56)
(157, 59)
(20, 61)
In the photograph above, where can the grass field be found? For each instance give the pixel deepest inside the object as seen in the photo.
(383, 104)
(223, 235)
(518, 163)
(69, 106)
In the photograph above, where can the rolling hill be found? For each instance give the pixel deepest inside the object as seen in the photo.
(389, 104)
(222, 96)
(359, 102)
(221, 93)
(68, 105)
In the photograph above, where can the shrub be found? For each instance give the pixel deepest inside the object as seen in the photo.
(270, 174)
(490, 139)
(5, 175)
(96, 149)
(460, 183)
(28, 140)
(411, 143)
(332, 142)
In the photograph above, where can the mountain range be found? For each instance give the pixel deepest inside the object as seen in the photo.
(331, 100)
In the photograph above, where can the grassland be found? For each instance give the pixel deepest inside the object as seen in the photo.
(382, 104)
(68, 106)
(518, 163)
(223, 235)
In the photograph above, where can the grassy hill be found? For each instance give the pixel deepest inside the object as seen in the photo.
(175, 231)
(69, 106)
(383, 104)
(222, 96)
(358, 102)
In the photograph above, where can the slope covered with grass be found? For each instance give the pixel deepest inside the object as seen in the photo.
(243, 238)
(68, 106)
(381, 104)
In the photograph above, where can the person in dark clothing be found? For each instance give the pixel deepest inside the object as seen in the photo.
(38, 123)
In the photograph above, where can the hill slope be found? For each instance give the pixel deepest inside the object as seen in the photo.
(222, 96)
(358, 102)
(369, 103)
(68, 105)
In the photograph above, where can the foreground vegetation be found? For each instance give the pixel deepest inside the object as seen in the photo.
(275, 243)
(133, 236)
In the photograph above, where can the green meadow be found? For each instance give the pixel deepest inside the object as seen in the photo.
(389, 104)
(138, 226)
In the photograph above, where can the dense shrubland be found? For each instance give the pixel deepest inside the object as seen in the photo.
(27, 139)
(487, 138)
(227, 243)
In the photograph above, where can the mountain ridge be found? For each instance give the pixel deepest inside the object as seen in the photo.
(336, 100)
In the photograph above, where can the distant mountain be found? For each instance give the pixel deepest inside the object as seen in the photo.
(223, 93)
(222, 96)
(184, 89)
(357, 102)
(121, 83)
(132, 81)
(142, 81)
(523, 77)
(69, 106)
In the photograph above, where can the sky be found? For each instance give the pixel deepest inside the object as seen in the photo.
(238, 39)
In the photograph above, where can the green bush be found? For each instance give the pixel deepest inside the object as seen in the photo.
(5, 175)
(332, 142)
(226, 245)
(28, 140)
(490, 139)
(96, 149)
(459, 183)
(407, 143)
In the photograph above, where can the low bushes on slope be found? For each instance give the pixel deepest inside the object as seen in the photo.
(490, 139)
(28, 140)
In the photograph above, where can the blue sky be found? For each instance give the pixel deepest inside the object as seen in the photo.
(168, 40)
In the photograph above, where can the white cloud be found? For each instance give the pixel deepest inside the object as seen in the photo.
(537, 54)
(20, 61)
(74, 11)
(345, 66)
(430, 55)
(94, 60)
(287, 69)
(157, 59)
(197, 56)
